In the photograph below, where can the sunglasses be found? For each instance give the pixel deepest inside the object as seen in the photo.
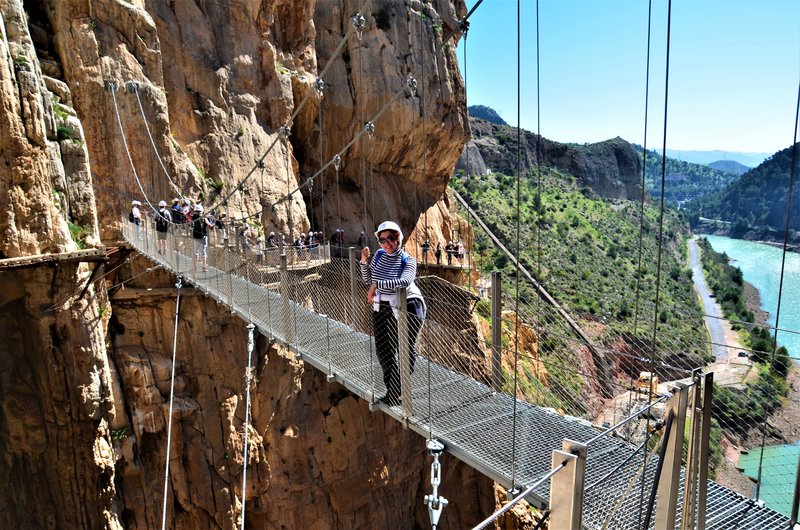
(388, 239)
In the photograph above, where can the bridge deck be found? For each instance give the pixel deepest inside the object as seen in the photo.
(476, 424)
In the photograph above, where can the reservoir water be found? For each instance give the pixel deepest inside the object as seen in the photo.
(761, 266)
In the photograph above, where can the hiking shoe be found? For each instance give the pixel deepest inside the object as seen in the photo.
(389, 401)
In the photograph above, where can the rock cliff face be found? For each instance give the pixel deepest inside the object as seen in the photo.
(611, 168)
(105, 101)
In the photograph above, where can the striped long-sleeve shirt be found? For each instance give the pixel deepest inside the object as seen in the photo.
(386, 271)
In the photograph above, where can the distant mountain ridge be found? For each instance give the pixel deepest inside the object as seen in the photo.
(684, 181)
(756, 200)
(610, 168)
(731, 166)
(749, 159)
(486, 113)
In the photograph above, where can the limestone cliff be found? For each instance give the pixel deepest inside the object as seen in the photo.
(105, 101)
(610, 168)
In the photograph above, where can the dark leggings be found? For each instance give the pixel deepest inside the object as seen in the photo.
(385, 327)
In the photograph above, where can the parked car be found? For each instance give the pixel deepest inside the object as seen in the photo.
(743, 354)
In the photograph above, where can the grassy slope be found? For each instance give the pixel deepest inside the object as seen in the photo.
(589, 251)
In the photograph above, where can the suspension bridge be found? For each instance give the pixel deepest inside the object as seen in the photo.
(301, 304)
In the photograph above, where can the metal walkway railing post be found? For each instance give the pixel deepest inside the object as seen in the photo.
(284, 289)
(229, 276)
(666, 507)
(691, 474)
(355, 275)
(497, 332)
(566, 486)
(705, 433)
(404, 352)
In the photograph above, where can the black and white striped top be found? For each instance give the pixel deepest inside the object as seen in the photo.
(386, 271)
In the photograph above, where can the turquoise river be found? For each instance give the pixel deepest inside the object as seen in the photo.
(761, 266)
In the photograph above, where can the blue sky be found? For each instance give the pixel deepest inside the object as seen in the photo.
(733, 75)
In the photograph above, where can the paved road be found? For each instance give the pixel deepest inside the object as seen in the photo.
(710, 308)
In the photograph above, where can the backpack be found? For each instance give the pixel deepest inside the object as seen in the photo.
(130, 216)
(403, 259)
(162, 224)
(199, 228)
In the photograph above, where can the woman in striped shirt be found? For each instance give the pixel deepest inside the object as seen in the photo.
(389, 269)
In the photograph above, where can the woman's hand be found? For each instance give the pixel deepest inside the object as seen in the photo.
(371, 292)
(365, 255)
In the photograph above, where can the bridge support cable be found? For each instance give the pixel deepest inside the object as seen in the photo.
(178, 286)
(786, 228)
(654, 348)
(113, 87)
(644, 172)
(152, 141)
(497, 331)
(298, 109)
(246, 431)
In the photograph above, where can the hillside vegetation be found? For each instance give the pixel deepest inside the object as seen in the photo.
(757, 200)
(684, 181)
(585, 250)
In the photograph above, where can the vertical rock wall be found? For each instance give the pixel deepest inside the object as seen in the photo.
(85, 397)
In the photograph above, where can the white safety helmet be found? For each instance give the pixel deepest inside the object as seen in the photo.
(162, 203)
(390, 225)
(198, 208)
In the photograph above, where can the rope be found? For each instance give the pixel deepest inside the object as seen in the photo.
(780, 288)
(250, 344)
(171, 399)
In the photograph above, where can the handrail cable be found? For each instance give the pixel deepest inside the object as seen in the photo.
(297, 110)
(659, 467)
(171, 399)
(636, 476)
(629, 418)
(624, 462)
(517, 276)
(510, 504)
(780, 292)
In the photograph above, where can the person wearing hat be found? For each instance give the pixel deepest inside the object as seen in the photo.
(391, 267)
(200, 227)
(163, 220)
(271, 240)
(135, 217)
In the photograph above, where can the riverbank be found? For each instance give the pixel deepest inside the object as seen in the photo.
(783, 427)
